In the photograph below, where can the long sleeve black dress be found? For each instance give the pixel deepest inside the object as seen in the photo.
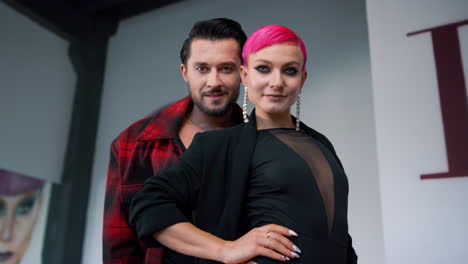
(232, 180)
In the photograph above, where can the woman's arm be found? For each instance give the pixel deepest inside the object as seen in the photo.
(269, 241)
(161, 212)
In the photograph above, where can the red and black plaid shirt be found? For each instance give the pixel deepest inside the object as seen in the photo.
(145, 147)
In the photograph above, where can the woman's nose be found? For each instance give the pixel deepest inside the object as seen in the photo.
(276, 80)
(6, 228)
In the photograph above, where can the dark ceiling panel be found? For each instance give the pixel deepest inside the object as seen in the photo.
(122, 9)
(79, 18)
(55, 16)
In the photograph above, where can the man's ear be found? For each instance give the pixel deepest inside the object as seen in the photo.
(183, 71)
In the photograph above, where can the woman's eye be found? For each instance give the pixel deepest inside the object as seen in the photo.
(262, 68)
(2, 209)
(25, 206)
(291, 71)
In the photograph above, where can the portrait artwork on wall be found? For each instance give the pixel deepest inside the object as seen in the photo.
(23, 210)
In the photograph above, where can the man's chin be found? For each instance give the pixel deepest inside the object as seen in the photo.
(218, 110)
(215, 111)
(214, 108)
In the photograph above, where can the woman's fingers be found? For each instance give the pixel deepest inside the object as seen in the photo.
(277, 239)
(271, 241)
(266, 252)
(280, 229)
(282, 245)
(279, 244)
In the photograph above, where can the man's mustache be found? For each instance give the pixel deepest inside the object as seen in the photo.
(214, 92)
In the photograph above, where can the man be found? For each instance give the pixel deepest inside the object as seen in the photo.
(211, 57)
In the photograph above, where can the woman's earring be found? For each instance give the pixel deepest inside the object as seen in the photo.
(244, 107)
(298, 111)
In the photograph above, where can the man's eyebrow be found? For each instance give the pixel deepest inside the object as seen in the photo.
(228, 63)
(198, 63)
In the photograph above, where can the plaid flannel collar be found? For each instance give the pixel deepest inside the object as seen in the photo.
(166, 123)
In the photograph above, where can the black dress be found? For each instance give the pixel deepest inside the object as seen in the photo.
(220, 185)
(297, 182)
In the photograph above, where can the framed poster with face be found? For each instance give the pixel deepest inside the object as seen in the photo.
(23, 210)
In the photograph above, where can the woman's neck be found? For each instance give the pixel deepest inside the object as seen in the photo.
(277, 120)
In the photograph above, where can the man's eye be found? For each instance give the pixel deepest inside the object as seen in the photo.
(227, 69)
(262, 68)
(201, 69)
(291, 71)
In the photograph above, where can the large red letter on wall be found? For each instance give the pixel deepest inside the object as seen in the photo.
(453, 97)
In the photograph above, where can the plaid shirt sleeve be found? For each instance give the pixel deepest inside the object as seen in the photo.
(120, 243)
(140, 151)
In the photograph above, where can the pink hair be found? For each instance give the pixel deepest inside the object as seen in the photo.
(270, 35)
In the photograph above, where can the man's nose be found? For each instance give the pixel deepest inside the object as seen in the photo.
(213, 79)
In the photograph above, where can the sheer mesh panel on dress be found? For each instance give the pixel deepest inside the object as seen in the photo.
(305, 147)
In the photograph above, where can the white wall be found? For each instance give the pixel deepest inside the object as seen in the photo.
(142, 74)
(36, 92)
(37, 85)
(424, 221)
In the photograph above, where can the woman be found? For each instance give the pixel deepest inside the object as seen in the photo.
(241, 187)
(20, 204)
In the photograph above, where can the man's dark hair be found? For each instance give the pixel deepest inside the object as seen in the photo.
(214, 29)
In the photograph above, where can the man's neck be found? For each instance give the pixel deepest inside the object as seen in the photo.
(196, 121)
(207, 122)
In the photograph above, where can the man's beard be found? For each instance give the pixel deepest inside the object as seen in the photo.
(198, 102)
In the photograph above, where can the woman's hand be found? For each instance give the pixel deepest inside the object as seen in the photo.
(269, 241)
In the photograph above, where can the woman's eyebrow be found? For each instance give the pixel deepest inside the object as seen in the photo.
(292, 63)
(263, 61)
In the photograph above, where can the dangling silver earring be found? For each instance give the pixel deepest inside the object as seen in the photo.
(244, 107)
(298, 111)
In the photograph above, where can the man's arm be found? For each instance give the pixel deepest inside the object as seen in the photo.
(120, 243)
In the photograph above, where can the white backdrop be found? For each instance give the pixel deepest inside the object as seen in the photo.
(424, 221)
(37, 84)
(36, 93)
(142, 74)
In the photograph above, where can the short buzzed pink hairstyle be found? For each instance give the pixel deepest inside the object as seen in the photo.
(270, 35)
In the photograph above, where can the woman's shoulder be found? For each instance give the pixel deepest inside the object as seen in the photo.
(318, 135)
